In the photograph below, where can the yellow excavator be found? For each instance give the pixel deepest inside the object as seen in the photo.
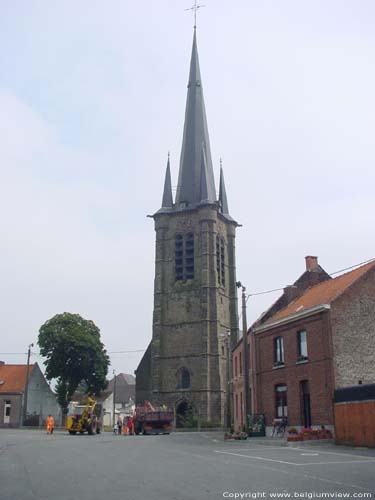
(85, 418)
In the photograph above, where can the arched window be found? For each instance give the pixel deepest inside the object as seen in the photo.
(183, 378)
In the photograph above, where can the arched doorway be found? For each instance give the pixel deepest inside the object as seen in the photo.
(185, 415)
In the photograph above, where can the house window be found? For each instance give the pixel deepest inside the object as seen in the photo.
(281, 401)
(220, 260)
(278, 347)
(183, 379)
(184, 257)
(302, 345)
(235, 366)
(8, 406)
(236, 406)
(240, 363)
(7, 409)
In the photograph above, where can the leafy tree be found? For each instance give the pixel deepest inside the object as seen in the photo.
(74, 355)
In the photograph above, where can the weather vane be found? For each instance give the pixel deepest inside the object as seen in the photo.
(195, 7)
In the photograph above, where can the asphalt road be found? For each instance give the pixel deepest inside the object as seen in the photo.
(180, 466)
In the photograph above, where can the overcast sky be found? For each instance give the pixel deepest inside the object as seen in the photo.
(92, 98)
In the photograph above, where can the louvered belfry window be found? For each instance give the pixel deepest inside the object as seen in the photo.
(179, 256)
(220, 260)
(184, 256)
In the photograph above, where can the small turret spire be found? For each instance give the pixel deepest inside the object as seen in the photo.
(223, 202)
(167, 193)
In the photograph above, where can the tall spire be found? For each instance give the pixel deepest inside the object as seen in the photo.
(204, 189)
(167, 193)
(195, 137)
(223, 202)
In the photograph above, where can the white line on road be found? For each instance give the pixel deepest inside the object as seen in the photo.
(294, 463)
(256, 458)
(333, 453)
(342, 462)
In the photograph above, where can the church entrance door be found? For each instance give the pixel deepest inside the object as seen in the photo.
(185, 415)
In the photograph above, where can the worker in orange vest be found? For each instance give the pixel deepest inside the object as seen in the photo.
(131, 426)
(50, 424)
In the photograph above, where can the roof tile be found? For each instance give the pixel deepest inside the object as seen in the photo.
(323, 293)
(13, 377)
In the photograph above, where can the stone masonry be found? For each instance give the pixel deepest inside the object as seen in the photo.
(191, 317)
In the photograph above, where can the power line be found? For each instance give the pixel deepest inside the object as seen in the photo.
(331, 274)
(247, 298)
(352, 267)
(38, 353)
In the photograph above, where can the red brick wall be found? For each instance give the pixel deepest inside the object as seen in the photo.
(317, 370)
(238, 388)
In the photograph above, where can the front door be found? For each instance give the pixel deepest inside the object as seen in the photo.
(305, 403)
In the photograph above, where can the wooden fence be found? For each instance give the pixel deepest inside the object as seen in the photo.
(355, 423)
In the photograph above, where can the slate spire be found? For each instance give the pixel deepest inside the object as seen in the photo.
(223, 202)
(203, 189)
(195, 138)
(167, 193)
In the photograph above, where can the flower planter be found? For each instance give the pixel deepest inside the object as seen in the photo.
(294, 439)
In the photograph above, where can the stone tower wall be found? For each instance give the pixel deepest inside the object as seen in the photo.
(191, 317)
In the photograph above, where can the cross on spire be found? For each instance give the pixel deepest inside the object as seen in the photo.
(195, 7)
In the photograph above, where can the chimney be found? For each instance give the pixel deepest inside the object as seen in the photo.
(311, 262)
(291, 292)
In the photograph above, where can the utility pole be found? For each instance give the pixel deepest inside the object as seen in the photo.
(114, 399)
(24, 415)
(245, 354)
(229, 381)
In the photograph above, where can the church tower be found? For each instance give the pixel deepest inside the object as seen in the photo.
(195, 295)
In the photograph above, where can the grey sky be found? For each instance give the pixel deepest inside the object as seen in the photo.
(92, 97)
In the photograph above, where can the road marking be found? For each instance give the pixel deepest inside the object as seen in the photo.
(293, 463)
(310, 454)
(342, 462)
(256, 458)
(293, 473)
(332, 453)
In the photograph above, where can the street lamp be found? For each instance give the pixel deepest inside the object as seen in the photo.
(228, 420)
(245, 354)
(24, 415)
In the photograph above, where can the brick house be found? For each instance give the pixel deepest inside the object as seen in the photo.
(314, 339)
(41, 400)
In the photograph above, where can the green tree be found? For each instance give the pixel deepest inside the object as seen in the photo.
(74, 355)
